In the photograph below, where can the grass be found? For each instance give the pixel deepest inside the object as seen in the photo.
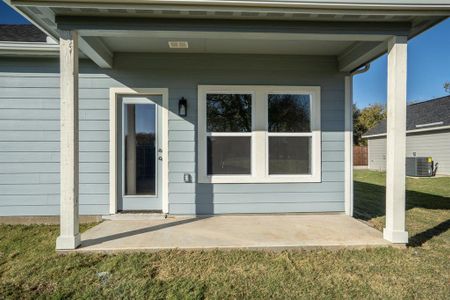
(30, 268)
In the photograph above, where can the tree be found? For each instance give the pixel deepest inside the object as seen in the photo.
(357, 128)
(365, 119)
(447, 87)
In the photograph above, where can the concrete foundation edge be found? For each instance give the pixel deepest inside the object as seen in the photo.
(44, 220)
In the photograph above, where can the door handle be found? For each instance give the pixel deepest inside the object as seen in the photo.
(160, 158)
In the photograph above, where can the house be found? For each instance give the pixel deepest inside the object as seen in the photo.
(21, 34)
(26, 41)
(199, 107)
(427, 134)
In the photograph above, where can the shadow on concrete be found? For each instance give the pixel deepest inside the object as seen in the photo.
(103, 239)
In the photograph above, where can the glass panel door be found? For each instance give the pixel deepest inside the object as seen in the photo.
(140, 149)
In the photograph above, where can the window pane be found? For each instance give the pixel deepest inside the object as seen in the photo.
(229, 155)
(139, 144)
(229, 112)
(289, 113)
(289, 155)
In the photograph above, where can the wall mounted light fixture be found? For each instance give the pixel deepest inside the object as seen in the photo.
(182, 107)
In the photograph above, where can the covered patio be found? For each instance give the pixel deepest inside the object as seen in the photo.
(351, 38)
(251, 232)
(351, 45)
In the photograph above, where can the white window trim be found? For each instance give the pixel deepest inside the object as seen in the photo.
(259, 134)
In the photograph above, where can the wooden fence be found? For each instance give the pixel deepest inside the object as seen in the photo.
(360, 156)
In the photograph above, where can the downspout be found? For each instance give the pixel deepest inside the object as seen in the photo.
(364, 69)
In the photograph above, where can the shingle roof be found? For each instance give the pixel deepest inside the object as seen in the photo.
(435, 111)
(21, 33)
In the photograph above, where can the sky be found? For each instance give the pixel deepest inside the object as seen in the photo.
(428, 70)
(9, 16)
(428, 65)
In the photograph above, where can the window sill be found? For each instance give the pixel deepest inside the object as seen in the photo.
(236, 179)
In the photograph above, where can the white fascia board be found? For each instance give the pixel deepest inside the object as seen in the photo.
(33, 49)
(93, 48)
(343, 6)
(32, 20)
(373, 135)
(409, 131)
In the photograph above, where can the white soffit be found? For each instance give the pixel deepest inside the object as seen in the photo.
(232, 46)
(260, 13)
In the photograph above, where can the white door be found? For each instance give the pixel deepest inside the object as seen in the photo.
(140, 154)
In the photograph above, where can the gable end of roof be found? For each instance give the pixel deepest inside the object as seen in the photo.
(430, 114)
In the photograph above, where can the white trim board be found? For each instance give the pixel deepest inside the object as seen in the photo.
(259, 134)
(329, 5)
(348, 145)
(28, 49)
(113, 96)
(409, 131)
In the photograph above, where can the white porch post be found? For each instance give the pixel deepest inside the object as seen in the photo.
(396, 141)
(349, 145)
(69, 236)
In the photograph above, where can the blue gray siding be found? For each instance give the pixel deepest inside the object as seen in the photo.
(429, 143)
(29, 139)
(29, 132)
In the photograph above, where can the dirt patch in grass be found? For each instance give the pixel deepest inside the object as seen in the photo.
(30, 268)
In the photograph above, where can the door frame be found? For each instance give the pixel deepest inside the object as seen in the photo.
(114, 94)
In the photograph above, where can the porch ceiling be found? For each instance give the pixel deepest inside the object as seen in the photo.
(152, 43)
(353, 43)
(369, 26)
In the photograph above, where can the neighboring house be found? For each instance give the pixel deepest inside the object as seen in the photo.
(26, 41)
(21, 34)
(198, 107)
(428, 134)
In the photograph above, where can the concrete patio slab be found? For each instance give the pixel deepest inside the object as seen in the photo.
(228, 232)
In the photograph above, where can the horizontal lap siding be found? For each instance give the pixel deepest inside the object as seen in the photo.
(195, 198)
(433, 143)
(377, 154)
(29, 132)
(29, 139)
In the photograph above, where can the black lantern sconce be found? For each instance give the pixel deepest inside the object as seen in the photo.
(182, 107)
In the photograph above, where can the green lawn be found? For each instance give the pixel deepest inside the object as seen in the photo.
(30, 268)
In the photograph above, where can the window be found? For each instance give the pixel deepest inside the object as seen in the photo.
(289, 134)
(258, 134)
(229, 155)
(289, 113)
(229, 126)
(289, 155)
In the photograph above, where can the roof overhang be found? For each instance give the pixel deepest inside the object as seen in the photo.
(343, 6)
(412, 131)
(28, 49)
(413, 16)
